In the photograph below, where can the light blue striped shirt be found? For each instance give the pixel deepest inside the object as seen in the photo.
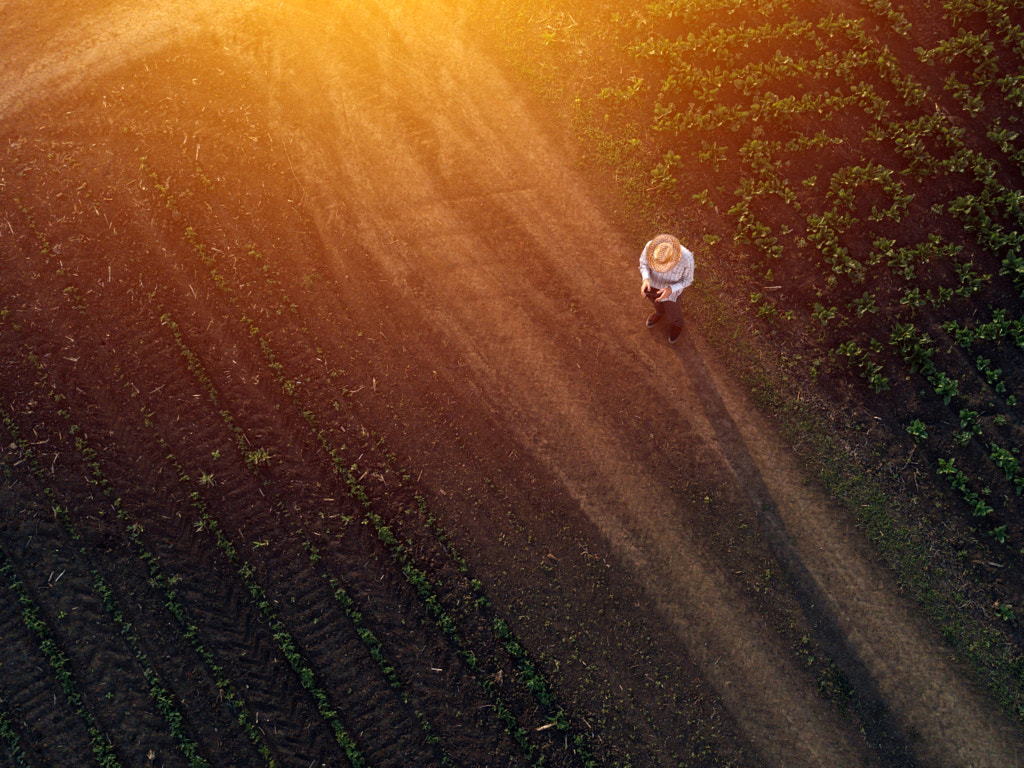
(677, 278)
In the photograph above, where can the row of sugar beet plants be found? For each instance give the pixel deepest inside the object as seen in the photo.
(133, 526)
(349, 472)
(10, 736)
(209, 523)
(206, 522)
(161, 695)
(858, 194)
(102, 748)
(528, 671)
(825, 228)
(164, 698)
(978, 214)
(918, 350)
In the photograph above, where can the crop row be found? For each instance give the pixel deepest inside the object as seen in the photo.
(133, 532)
(258, 460)
(134, 529)
(101, 746)
(159, 691)
(207, 523)
(349, 473)
(15, 753)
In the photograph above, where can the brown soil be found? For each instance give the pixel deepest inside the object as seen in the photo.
(300, 275)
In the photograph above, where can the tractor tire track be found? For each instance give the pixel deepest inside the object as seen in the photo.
(245, 505)
(50, 732)
(219, 606)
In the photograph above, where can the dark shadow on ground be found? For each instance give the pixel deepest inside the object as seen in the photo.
(882, 730)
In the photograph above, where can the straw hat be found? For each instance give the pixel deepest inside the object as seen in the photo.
(664, 253)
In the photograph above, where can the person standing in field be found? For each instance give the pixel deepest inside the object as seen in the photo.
(667, 268)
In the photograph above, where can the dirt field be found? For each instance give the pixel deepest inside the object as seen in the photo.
(333, 433)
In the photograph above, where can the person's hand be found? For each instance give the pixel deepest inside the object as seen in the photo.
(664, 294)
(644, 287)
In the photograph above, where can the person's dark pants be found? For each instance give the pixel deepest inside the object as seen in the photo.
(670, 310)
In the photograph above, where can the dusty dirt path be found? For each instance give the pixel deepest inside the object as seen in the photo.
(417, 157)
(57, 48)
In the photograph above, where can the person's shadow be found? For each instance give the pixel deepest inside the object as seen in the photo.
(882, 728)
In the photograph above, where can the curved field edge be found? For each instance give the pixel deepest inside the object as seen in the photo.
(576, 56)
